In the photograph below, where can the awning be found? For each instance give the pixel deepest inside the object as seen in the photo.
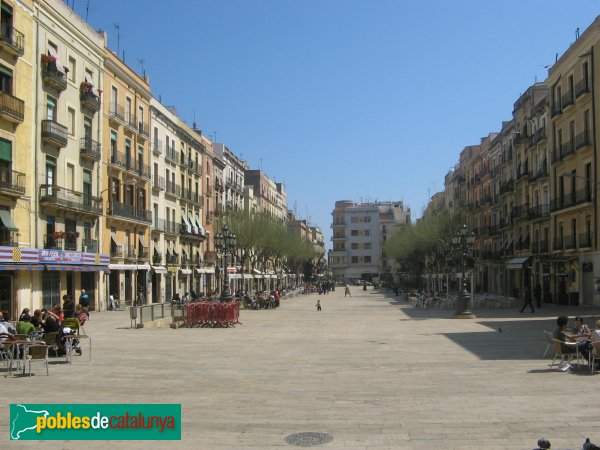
(185, 221)
(113, 236)
(143, 267)
(185, 271)
(159, 269)
(200, 227)
(59, 65)
(516, 263)
(192, 222)
(206, 270)
(122, 266)
(74, 268)
(6, 220)
(21, 267)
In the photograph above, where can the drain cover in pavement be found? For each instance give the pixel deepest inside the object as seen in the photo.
(308, 439)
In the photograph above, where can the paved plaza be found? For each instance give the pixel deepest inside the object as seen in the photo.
(370, 371)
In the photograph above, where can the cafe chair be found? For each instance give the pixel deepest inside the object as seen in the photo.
(594, 355)
(549, 343)
(558, 352)
(38, 353)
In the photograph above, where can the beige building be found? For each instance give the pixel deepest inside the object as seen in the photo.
(68, 205)
(126, 175)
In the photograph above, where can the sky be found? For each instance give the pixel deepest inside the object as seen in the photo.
(362, 100)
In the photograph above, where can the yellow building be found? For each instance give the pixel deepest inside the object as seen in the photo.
(126, 177)
(17, 62)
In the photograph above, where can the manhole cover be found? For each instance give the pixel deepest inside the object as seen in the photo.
(308, 439)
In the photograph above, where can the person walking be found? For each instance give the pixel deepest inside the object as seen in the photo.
(527, 299)
(318, 305)
(84, 299)
(537, 294)
(347, 291)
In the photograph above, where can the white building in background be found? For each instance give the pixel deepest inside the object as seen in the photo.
(233, 177)
(359, 232)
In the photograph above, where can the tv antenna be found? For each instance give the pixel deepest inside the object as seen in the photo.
(118, 28)
(141, 61)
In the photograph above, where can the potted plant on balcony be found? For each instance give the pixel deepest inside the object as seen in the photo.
(59, 235)
(49, 61)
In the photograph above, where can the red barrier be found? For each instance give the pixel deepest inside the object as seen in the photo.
(209, 314)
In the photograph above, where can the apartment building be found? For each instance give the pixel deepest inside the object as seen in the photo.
(233, 176)
(359, 232)
(19, 279)
(126, 175)
(572, 142)
(270, 195)
(68, 203)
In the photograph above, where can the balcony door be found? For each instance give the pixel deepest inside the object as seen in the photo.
(87, 187)
(50, 174)
(51, 109)
(5, 163)
(70, 239)
(87, 132)
(6, 80)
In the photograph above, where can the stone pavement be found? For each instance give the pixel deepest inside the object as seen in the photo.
(368, 370)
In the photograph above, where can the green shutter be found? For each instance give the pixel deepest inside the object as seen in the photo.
(5, 150)
(5, 71)
(7, 8)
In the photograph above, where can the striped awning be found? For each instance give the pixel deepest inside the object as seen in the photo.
(21, 267)
(74, 268)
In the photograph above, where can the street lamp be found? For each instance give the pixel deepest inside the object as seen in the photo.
(462, 242)
(225, 244)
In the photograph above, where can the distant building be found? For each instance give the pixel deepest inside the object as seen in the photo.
(359, 232)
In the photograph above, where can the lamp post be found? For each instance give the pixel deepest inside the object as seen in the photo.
(462, 242)
(225, 244)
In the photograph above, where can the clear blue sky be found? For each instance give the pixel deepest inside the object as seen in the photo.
(344, 99)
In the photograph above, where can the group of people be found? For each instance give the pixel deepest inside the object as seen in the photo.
(43, 321)
(576, 339)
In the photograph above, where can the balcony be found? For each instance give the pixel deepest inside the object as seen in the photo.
(540, 247)
(117, 251)
(210, 217)
(130, 212)
(143, 170)
(90, 149)
(156, 258)
(130, 121)
(144, 130)
(89, 245)
(171, 155)
(58, 198)
(158, 183)
(165, 226)
(8, 237)
(157, 147)
(116, 113)
(173, 189)
(172, 260)
(585, 240)
(183, 232)
(540, 172)
(119, 160)
(142, 252)
(53, 133)
(12, 182)
(538, 136)
(12, 41)
(583, 140)
(556, 110)
(572, 199)
(210, 257)
(558, 243)
(71, 244)
(52, 243)
(538, 212)
(570, 242)
(567, 100)
(130, 253)
(53, 77)
(12, 108)
(89, 99)
(582, 87)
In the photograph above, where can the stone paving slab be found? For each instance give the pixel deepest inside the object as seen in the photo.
(369, 370)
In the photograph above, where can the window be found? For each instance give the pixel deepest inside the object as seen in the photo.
(367, 259)
(113, 99)
(367, 246)
(51, 109)
(354, 233)
(128, 153)
(5, 162)
(87, 128)
(71, 121)
(113, 145)
(89, 76)
(6, 80)
(367, 232)
(367, 219)
(354, 246)
(87, 187)
(70, 176)
(72, 69)
(355, 260)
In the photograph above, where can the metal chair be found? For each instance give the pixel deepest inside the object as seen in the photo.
(558, 352)
(594, 355)
(550, 344)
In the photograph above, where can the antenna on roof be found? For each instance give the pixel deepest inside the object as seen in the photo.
(118, 28)
(142, 61)
(194, 122)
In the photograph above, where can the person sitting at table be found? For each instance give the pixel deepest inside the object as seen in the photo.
(24, 326)
(68, 306)
(37, 320)
(51, 324)
(5, 318)
(581, 329)
(25, 314)
(567, 345)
